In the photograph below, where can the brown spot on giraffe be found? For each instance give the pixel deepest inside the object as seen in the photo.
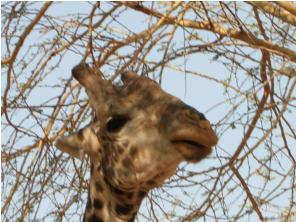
(139, 137)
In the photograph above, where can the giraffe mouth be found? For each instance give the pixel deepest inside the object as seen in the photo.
(200, 138)
(194, 138)
(192, 151)
(190, 144)
(195, 143)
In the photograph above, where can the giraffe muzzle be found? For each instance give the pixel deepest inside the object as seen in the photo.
(196, 142)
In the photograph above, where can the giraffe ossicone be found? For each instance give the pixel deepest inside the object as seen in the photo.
(138, 138)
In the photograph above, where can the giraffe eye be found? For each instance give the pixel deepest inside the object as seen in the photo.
(116, 123)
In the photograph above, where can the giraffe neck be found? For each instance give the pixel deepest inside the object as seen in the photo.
(106, 203)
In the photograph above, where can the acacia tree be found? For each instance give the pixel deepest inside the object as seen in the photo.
(251, 173)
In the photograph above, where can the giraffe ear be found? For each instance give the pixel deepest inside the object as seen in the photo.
(78, 144)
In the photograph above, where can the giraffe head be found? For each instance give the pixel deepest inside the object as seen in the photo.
(140, 133)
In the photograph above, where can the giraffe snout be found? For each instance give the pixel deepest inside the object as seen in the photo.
(194, 137)
(193, 115)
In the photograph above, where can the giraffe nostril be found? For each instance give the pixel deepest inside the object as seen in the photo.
(201, 116)
(194, 115)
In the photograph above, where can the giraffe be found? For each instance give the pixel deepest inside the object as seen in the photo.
(137, 139)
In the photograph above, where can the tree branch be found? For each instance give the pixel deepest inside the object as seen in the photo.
(277, 12)
(290, 7)
(216, 28)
